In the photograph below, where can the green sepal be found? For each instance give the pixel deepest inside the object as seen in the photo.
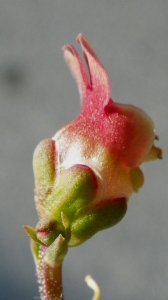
(97, 217)
(77, 187)
(47, 230)
(66, 224)
(35, 250)
(32, 234)
(137, 178)
(55, 253)
(44, 166)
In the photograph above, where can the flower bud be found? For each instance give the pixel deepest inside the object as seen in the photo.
(86, 173)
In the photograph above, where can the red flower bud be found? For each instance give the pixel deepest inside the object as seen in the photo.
(87, 172)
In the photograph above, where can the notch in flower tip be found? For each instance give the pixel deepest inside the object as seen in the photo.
(97, 84)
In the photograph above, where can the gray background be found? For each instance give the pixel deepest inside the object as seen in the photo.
(38, 96)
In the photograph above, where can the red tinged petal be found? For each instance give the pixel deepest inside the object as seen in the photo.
(99, 81)
(95, 91)
(124, 132)
(77, 68)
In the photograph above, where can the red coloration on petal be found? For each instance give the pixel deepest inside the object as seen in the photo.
(99, 81)
(95, 93)
(110, 137)
(77, 67)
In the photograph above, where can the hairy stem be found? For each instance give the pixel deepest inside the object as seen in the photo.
(49, 277)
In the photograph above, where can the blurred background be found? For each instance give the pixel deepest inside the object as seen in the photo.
(38, 96)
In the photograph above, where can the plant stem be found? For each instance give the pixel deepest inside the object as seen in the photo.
(49, 277)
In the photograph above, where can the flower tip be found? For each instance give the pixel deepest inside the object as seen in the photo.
(68, 48)
(155, 153)
(80, 39)
(68, 54)
(159, 153)
(156, 137)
